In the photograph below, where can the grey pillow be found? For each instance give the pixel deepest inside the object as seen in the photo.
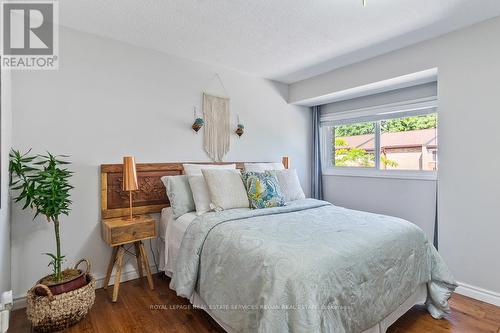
(289, 184)
(226, 189)
(179, 193)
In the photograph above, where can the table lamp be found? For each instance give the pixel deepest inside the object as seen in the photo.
(129, 179)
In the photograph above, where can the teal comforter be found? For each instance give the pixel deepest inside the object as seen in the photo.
(307, 267)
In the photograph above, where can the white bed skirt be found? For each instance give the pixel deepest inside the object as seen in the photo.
(161, 254)
(418, 297)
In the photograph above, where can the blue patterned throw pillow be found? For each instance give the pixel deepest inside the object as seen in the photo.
(263, 190)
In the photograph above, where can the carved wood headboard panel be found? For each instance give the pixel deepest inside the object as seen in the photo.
(151, 196)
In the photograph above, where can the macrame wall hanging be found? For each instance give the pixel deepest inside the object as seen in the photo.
(216, 139)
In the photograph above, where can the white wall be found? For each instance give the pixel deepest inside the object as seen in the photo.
(109, 99)
(5, 121)
(410, 199)
(468, 88)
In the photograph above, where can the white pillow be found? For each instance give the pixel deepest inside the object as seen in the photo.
(195, 169)
(200, 194)
(261, 167)
(226, 189)
(289, 184)
(179, 194)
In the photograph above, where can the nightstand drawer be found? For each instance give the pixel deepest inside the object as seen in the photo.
(119, 231)
(132, 233)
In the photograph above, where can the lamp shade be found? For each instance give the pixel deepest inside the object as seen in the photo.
(129, 174)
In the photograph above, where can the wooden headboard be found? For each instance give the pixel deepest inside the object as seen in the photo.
(151, 196)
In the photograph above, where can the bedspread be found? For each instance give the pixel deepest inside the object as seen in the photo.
(309, 266)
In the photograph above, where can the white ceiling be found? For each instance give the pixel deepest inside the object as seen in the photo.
(284, 40)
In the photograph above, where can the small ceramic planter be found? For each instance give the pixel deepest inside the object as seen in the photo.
(198, 124)
(240, 130)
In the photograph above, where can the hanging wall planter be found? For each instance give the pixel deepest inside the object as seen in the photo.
(198, 122)
(240, 130)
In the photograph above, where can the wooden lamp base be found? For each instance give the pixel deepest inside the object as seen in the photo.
(131, 215)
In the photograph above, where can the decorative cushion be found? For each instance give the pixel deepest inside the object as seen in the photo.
(261, 167)
(289, 184)
(179, 194)
(199, 187)
(226, 189)
(263, 190)
(200, 194)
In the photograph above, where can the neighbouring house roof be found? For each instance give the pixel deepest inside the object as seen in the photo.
(418, 138)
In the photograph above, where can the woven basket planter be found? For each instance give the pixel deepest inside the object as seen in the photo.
(53, 313)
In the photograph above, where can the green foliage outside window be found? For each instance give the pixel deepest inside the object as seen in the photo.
(409, 123)
(345, 156)
(391, 125)
(355, 129)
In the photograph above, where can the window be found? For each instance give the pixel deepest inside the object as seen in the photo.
(409, 143)
(354, 145)
(397, 140)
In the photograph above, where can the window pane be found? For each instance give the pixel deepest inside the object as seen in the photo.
(354, 145)
(409, 143)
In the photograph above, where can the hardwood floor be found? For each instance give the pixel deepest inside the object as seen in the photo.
(132, 313)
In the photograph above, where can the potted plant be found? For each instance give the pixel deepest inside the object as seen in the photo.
(41, 183)
(198, 123)
(240, 129)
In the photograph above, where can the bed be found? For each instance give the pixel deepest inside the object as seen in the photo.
(309, 266)
(385, 312)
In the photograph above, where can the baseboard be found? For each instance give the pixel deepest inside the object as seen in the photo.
(126, 276)
(20, 301)
(478, 293)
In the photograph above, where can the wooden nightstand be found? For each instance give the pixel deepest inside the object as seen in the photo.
(118, 232)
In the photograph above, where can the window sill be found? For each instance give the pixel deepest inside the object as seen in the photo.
(372, 173)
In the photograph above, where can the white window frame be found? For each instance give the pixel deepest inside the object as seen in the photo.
(374, 114)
